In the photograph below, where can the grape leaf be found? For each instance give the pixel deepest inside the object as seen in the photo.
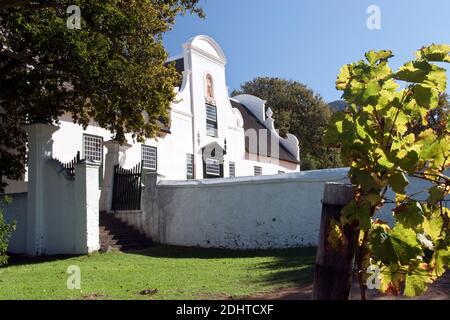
(398, 182)
(416, 282)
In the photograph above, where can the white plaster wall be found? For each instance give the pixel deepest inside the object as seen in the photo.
(70, 212)
(59, 211)
(17, 211)
(277, 211)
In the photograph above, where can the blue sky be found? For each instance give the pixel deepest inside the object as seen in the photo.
(309, 40)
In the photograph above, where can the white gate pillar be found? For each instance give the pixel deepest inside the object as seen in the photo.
(40, 148)
(87, 237)
(113, 157)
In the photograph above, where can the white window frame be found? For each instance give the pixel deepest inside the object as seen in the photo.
(189, 166)
(89, 152)
(149, 154)
(232, 169)
(211, 121)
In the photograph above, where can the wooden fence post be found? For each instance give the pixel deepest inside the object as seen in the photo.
(333, 269)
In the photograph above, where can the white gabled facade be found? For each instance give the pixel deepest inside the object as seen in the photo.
(203, 68)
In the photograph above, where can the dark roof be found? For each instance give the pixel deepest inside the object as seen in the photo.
(163, 125)
(252, 122)
(179, 66)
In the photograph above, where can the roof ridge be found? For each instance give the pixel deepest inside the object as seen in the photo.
(264, 125)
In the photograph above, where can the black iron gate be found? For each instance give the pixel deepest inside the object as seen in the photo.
(127, 188)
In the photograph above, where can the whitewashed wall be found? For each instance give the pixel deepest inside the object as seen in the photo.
(16, 212)
(59, 214)
(277, 211)
(241, 213)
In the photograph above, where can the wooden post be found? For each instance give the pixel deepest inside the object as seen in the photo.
(333, 270)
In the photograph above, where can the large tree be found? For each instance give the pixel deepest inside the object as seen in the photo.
(298, 110)
(112, 70)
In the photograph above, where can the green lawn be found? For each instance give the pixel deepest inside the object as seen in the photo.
(177, 273)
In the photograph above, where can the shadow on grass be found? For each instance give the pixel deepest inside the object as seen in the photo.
(164, 251)
(288, 267)
(18, 260)
(290, 270)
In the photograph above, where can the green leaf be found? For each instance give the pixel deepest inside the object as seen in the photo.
(409, 162)
(416, 282)
(410, 214)
(441, 260)
(434, 52)
(391, 278)
(433, 227)
(376, 56)
(405, 244)
(343, 78)
(364, 178)
(436, 194)
(414, 71)
(398, 182)
(383, 161)
(360, 213)
(426, 96)
(372, 90)
(381, 246)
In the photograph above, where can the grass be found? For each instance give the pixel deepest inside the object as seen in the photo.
(176, 273)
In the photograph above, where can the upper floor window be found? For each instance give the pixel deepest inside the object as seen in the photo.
(93, 148)
(281, 172)
(257, 171)
(149, 158)
(211, 120)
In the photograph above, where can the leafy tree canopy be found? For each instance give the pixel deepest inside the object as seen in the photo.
(297, 110)
(112, 70)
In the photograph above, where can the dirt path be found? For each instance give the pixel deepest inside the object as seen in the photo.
(438, 291)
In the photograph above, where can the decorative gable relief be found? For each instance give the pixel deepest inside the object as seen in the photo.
(209, 90)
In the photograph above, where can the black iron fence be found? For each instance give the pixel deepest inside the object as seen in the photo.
(69, 167)
(127, 188)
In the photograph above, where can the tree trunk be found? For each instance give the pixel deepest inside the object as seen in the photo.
(333, 270)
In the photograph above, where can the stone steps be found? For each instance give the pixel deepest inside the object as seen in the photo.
(117, 235)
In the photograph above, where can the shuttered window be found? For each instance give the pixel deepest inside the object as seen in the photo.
(189, 166)
(212, 167)
(232, 169)
(211, 120)
(257, 171)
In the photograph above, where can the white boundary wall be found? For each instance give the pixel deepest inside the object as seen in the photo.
(278, 211)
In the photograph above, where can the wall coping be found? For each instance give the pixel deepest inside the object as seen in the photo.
(313, 176)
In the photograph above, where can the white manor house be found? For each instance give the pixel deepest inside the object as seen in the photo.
(83, 191)
(210, 136)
